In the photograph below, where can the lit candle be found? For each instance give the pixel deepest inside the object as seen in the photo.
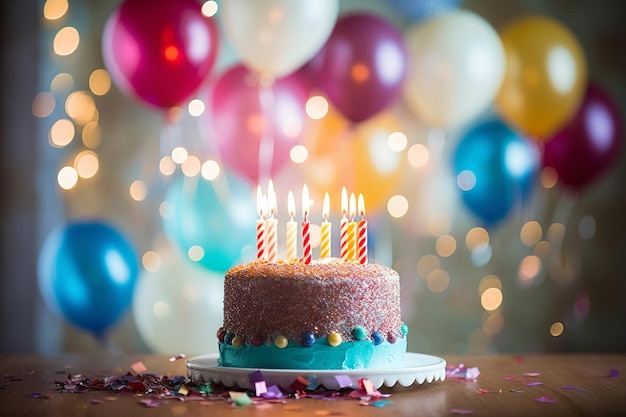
(271, 225)
(361, 231)
(325, 243)
(351, 256)
(260, 225)
(343, 225)
(306, 232)
(292, 226)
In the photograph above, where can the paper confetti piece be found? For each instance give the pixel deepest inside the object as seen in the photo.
(613, 373)
(260, 388)
(343, 381)
(534, 384)
(545, 400)
(177, 357)
(240, 399)
(574, 388)
(472, 373)
(381, 403)
(274, 392)
(532, 374)
(300, 384)
(367, 386)
(486, 391)
(138, 367)
(183, 390)
(39, 395)
(461, 411)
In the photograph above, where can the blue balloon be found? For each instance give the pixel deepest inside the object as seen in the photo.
(219, 216)
(417, 10)
(496, 170)
(87, 272)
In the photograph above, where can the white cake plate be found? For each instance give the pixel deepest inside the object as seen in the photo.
(418, 368)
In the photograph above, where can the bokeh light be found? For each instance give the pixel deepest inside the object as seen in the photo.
(179, 154)
(529, 268)
(196, 107)
(210, 170)
(445, 246)
(81, 107)
(43, 104)
(66, 41)
(191, 167)
(55, 9)
(151, 261)
(397, 141)
(531, 233)
(100, 82)
(418, 155)
(209, 8)
(397, 206)
(92, 135)
(195, 253)
(299, 154)
(476, 236)
(491, 298)
(316, 107)
(427, 264)
(62, 133)
(548, 177)
(86, 164)
(556, 329)
(138, 190)
(67, 177)
(438, 280)
(62, 82)
(167, 166)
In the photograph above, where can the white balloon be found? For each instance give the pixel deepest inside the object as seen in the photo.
(179, 308)
(456, 67)
(278, 36)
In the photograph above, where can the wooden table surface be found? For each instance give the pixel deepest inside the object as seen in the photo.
(508, 385)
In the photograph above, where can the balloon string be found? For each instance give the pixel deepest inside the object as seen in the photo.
(266, 145)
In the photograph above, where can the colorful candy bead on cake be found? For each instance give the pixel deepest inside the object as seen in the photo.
(391, 337)
(334, 339)
(308, 339)
(359, 333)
(256, 340)
(404, 329)
(237, 341)
(221, 334)
(377, 338)
(228, 339)
(281, 341)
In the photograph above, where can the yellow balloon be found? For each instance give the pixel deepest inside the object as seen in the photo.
(545, 76)
(355, 156)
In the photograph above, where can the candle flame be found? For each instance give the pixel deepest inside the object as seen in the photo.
(306, 201)
(291, 204)
(344, 201)
(259, 201)
(326, 206)
(361, 205)
(352, 206)
(271, 197)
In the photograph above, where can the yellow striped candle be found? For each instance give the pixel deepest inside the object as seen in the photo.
(326, 226)
(292, 228)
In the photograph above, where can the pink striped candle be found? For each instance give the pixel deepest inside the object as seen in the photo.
(343, 225)
(306, 232)
(351, 255)
(260, 225)
(361, 246)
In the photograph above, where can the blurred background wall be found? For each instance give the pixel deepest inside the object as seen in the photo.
(571, 301)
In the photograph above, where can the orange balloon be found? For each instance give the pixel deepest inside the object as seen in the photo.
(355, 156)
(545, 76)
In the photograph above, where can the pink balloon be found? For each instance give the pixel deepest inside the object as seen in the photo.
(589, 143)
(362, 66)
(159, 51)
(255, 127)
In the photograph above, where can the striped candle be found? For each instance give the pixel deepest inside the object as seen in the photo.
(292, 226)
(351, 255)
(343, 225)
(271, 226)
(326, 226)
(306, 232)
(361, 247)
(260, 225)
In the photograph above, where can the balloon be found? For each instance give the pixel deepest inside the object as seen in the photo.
(276, 37)
(354, 156)
(456, 66)
(87, 272)
(589, 143)
(255, 127)
(362, 66)
(416, 10)
(545, 78)
(217, 216)
(179, 307)
(496, 170)
(159, 51)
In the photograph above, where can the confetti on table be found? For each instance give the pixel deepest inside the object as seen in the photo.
(240, 399)
(532, 374)
(534, 384)
(381, 403)
(177, 357)
(545, 400)
(138, 367)
(574, 388)
(343, 380)
(39, 395)
(299, 384)
(486, 391)
(461, 411)
(472, 373)
(613, 373)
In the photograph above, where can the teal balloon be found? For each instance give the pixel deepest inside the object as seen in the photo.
(87, 272)
(219, 216)
(496, 170)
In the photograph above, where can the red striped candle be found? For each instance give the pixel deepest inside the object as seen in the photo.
(306, 232)
(351, 254)
(361, 247)
(260, 225)
(343, 225)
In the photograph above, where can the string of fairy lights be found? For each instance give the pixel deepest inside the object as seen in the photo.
(81, 122)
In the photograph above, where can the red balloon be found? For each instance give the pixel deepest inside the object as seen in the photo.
(589, 143)
(362, 66)
(159, 51)
(255, 126)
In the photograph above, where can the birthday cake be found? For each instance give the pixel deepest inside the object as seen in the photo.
(328, 314)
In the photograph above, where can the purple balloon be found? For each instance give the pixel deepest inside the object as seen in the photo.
(159, 51)
(362, 66)
(589, 143)
(255, 127)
